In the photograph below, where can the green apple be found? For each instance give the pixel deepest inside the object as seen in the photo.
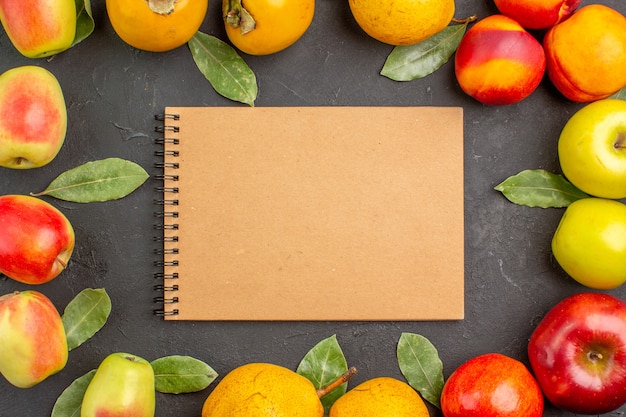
(592, 149)
(123, 385)
(33, 117)
(36, 241)
(590, 242)
(32, 336)
(39, 28)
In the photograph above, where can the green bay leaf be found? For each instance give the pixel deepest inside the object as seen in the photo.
(85, 24)
(69, 402)
(620, 95)
(181, 374)
(85, 315)
(406, 63)
(97, 181)
(225, 70)
(540, 188)
(323, 364)
(421, 366)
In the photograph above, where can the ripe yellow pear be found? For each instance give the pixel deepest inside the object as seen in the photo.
(402, 22)
(263, 390)
(380, 397)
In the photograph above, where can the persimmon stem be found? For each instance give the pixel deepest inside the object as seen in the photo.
(468, 19)
(345, 377)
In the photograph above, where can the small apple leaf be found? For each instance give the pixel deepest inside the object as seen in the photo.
(421, 366)
(539, 188)
(406, 63)
(84, 21)
(620, 95)
(322, 365)
(97, 181)
(69, 402)
(85, 315)
(181, 374)
(225, 70)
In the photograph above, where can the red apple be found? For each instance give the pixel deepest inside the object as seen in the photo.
(39, 28)
(498, 62)
(34, 345)
(578, 353)
(491, 385)
(537, 14)
(36, 241)
(33, 117)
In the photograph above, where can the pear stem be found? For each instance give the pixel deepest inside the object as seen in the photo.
(345, 377)
(468, 19)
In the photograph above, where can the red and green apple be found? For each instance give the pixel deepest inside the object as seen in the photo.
(36, 241)
(39, 28)
(492, 385)
(123, 385)
(33, 117)
(32, 336)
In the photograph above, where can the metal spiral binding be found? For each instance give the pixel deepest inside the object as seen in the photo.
(167, 215)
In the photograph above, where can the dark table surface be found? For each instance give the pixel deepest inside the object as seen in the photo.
(112, 92)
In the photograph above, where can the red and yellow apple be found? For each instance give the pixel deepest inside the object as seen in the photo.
(498, 62)
(123, 385)
(537, 14)
(592, 149)
(492, 385)
(34, 345)
(584, 54)
(33, 117)
(39, 28)
(590, 242)
(578, 353)
(36, 241)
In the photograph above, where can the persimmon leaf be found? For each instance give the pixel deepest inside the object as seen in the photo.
(323, 364)
(85, 315)
(181, 374)
(225, 70)
(69, 402)
(421, 366)
(103, 180)
(539, 188)
(406, 63)
(85, 24)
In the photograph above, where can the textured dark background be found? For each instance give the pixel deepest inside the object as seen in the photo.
(112, 92)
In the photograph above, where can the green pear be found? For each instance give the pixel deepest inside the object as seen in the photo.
(122, 386)
(32, 336)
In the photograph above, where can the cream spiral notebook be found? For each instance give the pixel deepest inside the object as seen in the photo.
(311, 213)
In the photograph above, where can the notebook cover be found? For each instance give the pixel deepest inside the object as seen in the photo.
(314, 213)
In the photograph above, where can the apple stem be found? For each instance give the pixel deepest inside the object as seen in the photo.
(468, 19)
(620, 141)
(62, 262)
(345, 377)
(595, 356)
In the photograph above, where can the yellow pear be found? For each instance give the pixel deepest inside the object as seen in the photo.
(380, 397)
(402, 22)
(263, 390)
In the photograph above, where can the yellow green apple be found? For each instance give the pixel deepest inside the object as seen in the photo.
(590, 242)
(36, 241)
(123, 385)
(592, 149)
(33, 117)
(39, 28)
(34, 345)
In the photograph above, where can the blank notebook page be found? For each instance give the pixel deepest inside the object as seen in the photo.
(316, 213)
